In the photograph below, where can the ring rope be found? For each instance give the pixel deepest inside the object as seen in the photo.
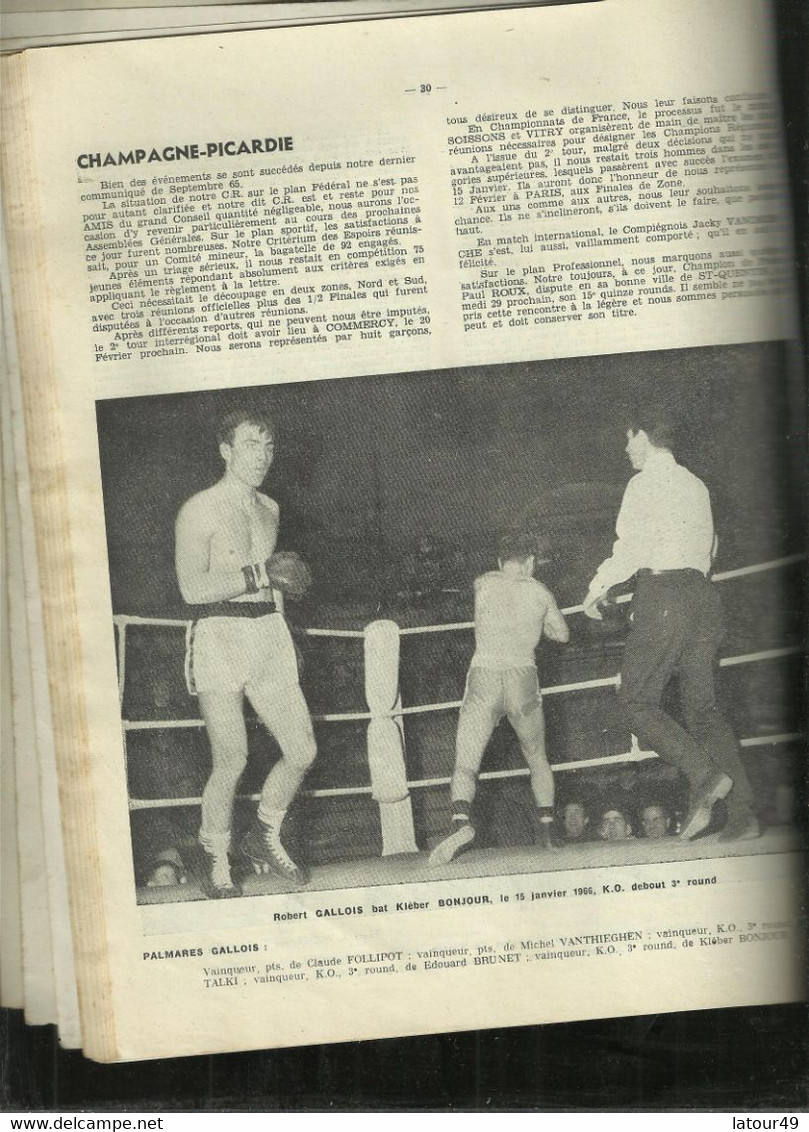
(723, 576)
(448, 705)
(122, 621)
(176, 623)
(635, 756)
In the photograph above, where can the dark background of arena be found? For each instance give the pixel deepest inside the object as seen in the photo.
(396, 489)
(752, 1059)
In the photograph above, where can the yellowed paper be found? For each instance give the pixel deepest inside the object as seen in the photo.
(38, 979)
(448, 216)
(11, 979)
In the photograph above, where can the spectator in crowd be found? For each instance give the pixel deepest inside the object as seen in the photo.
(615, 825)
(655, 821)
(575, 821)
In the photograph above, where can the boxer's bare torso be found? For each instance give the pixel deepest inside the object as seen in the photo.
(230, 525)
(219, 532)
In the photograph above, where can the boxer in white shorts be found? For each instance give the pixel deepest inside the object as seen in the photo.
(239, 645)
(512, 612)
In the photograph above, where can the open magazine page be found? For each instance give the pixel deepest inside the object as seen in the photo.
(427, 264)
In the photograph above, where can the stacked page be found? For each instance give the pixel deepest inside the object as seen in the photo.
(334, 716)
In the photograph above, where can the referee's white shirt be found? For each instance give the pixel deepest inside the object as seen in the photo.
(665, 523)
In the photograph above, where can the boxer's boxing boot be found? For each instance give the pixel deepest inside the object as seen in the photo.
(462, 835)
(264, 850)
(714, 786)
(218, 884)
(742, 824)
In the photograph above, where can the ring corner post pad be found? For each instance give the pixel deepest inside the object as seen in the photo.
(386, 761)
(398, 835)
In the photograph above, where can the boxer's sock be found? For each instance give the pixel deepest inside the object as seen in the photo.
(461, 813)
(546, 835)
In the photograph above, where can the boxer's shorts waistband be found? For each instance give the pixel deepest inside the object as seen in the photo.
(234, 609)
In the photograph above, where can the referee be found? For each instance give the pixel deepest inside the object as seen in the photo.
(665, 536)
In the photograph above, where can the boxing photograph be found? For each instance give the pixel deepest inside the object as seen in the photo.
(513, 619)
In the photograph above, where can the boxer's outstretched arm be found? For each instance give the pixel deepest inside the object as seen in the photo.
(198, 584)
(636, 519)
(555, 626)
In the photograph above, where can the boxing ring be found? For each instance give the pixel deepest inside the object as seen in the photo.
(384, 715)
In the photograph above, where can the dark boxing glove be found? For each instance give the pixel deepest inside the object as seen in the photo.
(285, 571)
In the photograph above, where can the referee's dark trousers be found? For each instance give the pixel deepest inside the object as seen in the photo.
(676, 628)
